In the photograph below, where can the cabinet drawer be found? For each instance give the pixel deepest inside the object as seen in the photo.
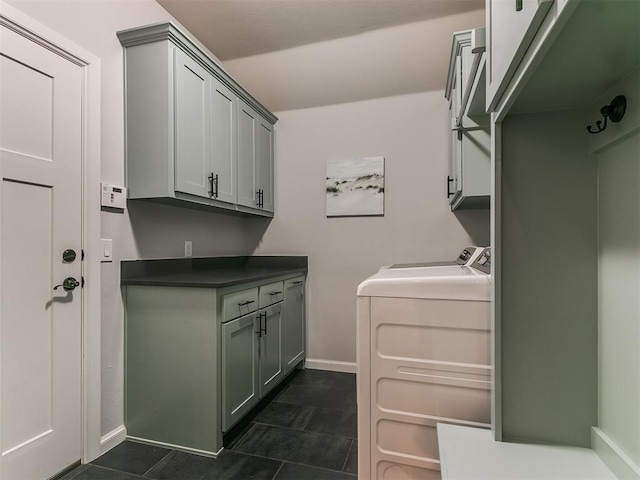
(235, 305)
(271, 293)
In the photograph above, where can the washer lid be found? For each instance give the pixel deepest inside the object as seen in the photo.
(456, 282)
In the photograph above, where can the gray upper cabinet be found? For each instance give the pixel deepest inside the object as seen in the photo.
(264, 164)
(513, 25)
(193, 125)
(469, 179)
(194, 136)
(224, 113)
(255, 159)
(247, 125)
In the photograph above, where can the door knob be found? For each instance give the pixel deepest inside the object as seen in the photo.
(69, 284)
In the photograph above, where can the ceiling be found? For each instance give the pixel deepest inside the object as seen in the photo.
(293, 54)
(240, 28)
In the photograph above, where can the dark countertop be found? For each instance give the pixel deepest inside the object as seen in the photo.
(210, 272)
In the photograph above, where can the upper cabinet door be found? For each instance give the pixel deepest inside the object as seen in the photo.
(512, 26)
(247, 125)
(264, 164)
(454, 183)
(193, 140)
(224, 142)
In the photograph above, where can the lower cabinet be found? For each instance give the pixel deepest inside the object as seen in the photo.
(251, 361)
(241, 390)
(198, 359)
(270, 348)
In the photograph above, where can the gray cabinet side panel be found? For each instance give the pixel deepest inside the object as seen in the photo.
(293, 342)
(619, 285)
(549, 330)
(171, 366)
(476, 162)
(149, 120)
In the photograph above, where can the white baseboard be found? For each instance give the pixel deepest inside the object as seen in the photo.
(331, 365)
(204, 453)
(613, 457)
(113, 438)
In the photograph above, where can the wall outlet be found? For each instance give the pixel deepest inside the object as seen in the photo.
(188, 248)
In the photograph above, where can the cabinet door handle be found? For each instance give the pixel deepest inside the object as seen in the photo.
(260, 198)
(261, 329)
(449, 181)
(213, 185)
(299, 282)
(518, 5)
(246, 303)
(275, 293)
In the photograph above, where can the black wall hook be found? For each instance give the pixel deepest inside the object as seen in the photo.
(614, 111)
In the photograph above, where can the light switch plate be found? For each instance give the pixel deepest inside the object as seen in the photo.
(107, 250)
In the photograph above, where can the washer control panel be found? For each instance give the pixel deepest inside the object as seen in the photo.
(465, 255)
(483, 262)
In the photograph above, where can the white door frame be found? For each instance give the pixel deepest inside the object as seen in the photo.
(26, 26)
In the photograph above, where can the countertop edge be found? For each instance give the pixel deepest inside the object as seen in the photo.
(159, 282)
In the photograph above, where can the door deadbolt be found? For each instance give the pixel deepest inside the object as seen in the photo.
(68, 255)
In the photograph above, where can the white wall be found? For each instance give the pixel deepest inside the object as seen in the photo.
(144, 230)
(410, 132)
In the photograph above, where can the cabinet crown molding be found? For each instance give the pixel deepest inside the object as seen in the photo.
(158, 32)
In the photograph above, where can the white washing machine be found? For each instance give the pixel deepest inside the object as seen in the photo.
(466, 257)
(423, 357)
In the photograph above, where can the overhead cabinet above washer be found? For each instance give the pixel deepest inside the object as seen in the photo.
(188, 141)
(469, 180)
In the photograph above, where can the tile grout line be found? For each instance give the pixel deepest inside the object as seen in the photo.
(278, 471)
(298, 430)
(241, 439)
(283, 462)
(293, 463)
(76, 471)
(346, 459)
(135, 475)
(158, 462)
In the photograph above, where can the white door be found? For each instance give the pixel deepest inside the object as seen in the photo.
(40, 217)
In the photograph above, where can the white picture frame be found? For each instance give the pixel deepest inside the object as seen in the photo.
(355, 187)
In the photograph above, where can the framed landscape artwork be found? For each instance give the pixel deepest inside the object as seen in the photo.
(355, 187)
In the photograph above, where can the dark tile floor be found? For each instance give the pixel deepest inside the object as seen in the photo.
(305, 430)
